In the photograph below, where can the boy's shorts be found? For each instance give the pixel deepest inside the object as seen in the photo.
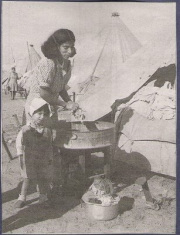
(35, 169)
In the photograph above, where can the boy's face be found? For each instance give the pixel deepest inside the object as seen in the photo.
(38, 117)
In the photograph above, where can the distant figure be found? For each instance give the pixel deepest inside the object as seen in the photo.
(12, 82)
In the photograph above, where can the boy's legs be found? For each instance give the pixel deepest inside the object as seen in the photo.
(27, 173)
(43, 185)
(25, 186)
(57, 180)
(42, 172)
(22, 197)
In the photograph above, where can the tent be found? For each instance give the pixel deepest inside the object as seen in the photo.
(27, 65)
(143, 141)
(23, 65)
(29, 62)
(131, 75)
(103, 54)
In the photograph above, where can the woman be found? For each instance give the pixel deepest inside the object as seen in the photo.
(49, 79)
(51, 75)
(12, 82)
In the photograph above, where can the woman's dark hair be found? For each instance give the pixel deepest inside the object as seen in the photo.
(50, 46)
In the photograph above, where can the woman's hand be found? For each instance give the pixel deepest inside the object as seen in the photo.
(70, 105)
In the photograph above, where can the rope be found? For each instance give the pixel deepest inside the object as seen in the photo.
(100, 55)
(29, 56)
(88, 82)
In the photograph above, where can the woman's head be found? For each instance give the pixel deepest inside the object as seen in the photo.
(59, 44)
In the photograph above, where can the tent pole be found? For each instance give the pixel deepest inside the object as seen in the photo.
(29, 55)
(13, 56)
(88, 82)
(6, 148)
(99, 56)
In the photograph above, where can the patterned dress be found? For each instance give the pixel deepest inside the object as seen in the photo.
(51, 74)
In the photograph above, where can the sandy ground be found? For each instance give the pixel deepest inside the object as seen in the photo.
(69, 215)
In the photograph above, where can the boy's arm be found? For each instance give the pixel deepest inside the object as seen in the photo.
(20, 148)
(19, 144)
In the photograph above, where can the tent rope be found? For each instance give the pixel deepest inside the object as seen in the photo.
(85, 85)
(100, 55)
(29, 55)
(126, 44)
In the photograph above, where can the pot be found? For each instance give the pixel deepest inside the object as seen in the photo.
(99, 212)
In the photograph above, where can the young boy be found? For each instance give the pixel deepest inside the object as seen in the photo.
(34, 148)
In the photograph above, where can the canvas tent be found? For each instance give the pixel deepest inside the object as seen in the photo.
(142, 141)
(27, 66)
(23, 65)
(30, 61)
(130, 76)
(105, 53)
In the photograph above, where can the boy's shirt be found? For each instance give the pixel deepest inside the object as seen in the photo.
(35, 143)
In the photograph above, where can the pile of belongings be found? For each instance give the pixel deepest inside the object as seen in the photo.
(101, 192)
(154, 102)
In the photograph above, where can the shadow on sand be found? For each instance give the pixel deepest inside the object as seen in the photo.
(34, 213)
(37, 213)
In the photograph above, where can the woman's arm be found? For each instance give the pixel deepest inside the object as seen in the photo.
(47, 95)
(64, 95)
(70, 104)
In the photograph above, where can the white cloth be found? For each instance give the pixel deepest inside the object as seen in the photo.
(36, 104)
(154, 103)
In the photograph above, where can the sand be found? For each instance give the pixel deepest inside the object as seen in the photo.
(69, 215)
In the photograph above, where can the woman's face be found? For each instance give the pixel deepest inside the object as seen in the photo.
(66, 49)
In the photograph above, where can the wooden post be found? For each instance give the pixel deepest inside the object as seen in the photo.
(143, 182)
(17, 121)
(74, 97)
(107, 162)
(6, 148)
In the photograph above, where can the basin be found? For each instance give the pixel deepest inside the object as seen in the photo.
(84, 135)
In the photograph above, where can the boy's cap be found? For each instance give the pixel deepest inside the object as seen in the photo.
(36, 104)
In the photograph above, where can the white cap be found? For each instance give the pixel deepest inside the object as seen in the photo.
(36, 104)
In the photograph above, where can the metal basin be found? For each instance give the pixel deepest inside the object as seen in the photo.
(99, 212)
(86, 135)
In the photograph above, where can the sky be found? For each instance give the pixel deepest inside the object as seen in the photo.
(33, 22)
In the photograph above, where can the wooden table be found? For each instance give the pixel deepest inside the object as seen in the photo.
(84, 157)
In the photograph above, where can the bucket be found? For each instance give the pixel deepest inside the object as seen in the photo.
(99, 212)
